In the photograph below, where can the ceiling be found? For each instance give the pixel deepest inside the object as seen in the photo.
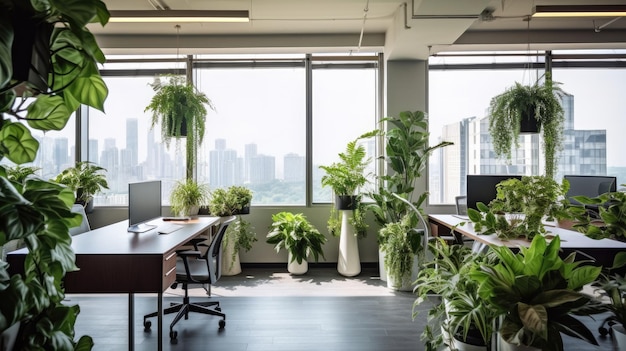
(404, 30)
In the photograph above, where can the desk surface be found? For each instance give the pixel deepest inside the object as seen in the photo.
(569, 239)
(115, 239)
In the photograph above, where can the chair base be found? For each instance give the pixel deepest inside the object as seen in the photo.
(183, 309)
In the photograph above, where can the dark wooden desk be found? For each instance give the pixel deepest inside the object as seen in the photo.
(602, 251)
(112, 260)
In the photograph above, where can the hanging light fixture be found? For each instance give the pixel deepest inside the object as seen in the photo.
(579, 11)
(178, 16)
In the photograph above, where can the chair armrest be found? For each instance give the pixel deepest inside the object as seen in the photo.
(188, 253)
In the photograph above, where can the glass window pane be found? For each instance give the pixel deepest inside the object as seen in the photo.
(256, 135)
(344, 107)
(122, 141)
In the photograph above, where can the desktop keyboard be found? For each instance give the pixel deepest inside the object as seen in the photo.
(168, 228)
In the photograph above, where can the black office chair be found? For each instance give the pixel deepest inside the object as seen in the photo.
(197, 267)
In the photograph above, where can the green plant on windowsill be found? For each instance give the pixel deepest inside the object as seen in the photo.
(541, 103)
(526, 202)
(86, 179)
(187, 196)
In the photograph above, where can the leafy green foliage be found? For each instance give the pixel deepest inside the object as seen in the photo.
(241, 234)
(229, 201)
(535, 197)
(85, 178)
(613, 216)
(174, 103)
(537, 292)
(613, 286)
(461, 310)
(294, 233)
(407, 152)
(35, 211)
(188, 194)
(507, 109)
(345, 178)
(402, 242)
(19, 173)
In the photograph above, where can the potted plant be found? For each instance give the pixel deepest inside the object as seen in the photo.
(537, 293)
(20, 173)
(612, 286)
(294, 233)
(519, 207)
(459, 315)
(520, 105)
(611, 212)
(234, 200)
(180, 109)
(86, 179)
(402, 244)
(38, 211)
(187, 196)
(406, 155)
(347, 216)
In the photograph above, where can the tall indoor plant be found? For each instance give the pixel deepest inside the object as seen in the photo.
(406, 155)
(538, 104)
(347, 218)
(180, 109)
(38, 211)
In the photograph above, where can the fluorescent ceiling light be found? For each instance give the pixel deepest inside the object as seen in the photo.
(178, 16)
(580, 11)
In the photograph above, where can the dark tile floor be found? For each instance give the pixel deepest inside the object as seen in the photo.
(269, 310)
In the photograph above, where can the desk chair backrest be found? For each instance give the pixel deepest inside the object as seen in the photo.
(214, 252)
(461, 205)
(84, 225)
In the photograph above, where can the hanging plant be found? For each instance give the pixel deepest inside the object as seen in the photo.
(180, 109)
(541, 103)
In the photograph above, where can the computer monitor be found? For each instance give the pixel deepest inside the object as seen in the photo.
(482, 187)
(144, 204)
(590, 186)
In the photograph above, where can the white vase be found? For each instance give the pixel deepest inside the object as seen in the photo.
(505, 346)
(381, 265)
(230, 265)
(296, 268)
(462, 346)
(407, 284)
(619, 337)
(348, 262)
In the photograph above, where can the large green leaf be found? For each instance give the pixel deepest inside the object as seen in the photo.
(48, 113)
(90, 90)
(20, 145)
(82, 12)
(6, 41)
(534, 318)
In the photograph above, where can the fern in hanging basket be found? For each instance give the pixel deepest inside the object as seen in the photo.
(177, 106)
(508, 110)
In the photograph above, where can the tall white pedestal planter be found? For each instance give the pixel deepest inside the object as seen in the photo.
(382, 271)
(296, 268)
(619, 336)
(231, 265)
(348, 262)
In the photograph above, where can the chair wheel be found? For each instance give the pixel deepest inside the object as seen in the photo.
(222, 324)
(173, 334)
(603, 331)
(147, 325)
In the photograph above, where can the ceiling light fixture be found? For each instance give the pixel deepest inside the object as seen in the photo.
(580, 11)
(178, 16)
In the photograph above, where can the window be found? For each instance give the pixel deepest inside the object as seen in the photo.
(257, 135)
(460, 97)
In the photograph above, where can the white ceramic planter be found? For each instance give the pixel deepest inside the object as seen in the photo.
(619, 337)
(348, 262)
(230, 265)
(505, 346)
(381, 265)
(296, 268)
(407, 284)
(461, 346)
